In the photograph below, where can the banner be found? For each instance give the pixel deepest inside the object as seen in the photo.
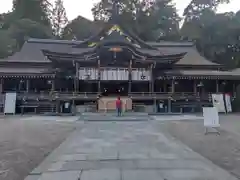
(211, 117)
(228, 103)
(218, 102)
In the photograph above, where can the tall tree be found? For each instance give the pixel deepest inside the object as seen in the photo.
(7, 44)
(216, 35)
(149, 19)
(80, 29)
(35, 10)
(23, 29)
(59, 18)
(195, 7)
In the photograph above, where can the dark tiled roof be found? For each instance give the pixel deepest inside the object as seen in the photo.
(208, 73)
(24, 71)
(192, 57)
(171, 44)
(32, 51)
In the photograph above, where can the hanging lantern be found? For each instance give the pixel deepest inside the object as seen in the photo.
(116, 49)
(200, 84)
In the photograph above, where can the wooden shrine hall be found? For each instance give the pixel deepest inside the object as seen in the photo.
(60, 76)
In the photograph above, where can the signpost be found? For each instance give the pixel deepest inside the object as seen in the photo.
(211, 119)
(10, 103)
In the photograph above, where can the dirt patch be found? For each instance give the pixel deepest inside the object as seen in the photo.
(24, 144)
(223, 150)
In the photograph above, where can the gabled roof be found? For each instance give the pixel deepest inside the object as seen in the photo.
(192, 57)
(115, 33)
(32, 50)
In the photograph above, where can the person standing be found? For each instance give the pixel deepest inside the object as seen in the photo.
(119, 106)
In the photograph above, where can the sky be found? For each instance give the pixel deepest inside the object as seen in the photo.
(75, 8)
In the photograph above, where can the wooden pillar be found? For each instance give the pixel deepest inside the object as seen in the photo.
(28, 85)
(234, 89)
(1, 85)
(130, 77)
(99, 76)
(195, 86)
(173, 86)
(169, 105)
(164, 86)
(76, 80)
(217, 86)
(53, 85)
(152, 80)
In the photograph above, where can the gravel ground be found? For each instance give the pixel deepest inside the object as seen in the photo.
(24, 144)
(223, 150)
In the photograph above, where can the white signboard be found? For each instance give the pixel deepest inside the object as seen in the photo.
(211, 118)
(10, 103)
(114, 74)
(228, 103)
(88, 74)
(141, 75)
(218, 102)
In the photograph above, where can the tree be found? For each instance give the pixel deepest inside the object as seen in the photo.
(80, 29)
(35, 10)
(149, 19)
(23, 29)
(5, 20)
(216, 35)
(7, 44)
(59, 18)
(195, 7)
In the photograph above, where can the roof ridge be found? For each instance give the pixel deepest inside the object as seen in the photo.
(53, 41)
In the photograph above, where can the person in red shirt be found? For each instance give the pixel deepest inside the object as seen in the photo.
(119, 106)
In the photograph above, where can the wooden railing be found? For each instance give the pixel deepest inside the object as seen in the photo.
(56, 95)
(89, 95)
(170, 94)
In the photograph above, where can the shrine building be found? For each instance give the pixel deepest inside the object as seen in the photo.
(89, 75)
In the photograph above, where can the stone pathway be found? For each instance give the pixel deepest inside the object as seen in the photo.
(50, 118)
(113, 117)
(177, 117)
(125, 151)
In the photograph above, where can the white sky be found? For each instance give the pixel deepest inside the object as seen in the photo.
(83, 7)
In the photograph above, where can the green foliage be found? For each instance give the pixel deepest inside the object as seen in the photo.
(59, 18)
(23, 29)
(216, 35)
(196, 7)
(149, 19)
(7, 44)
(35, 10)
(80, 28)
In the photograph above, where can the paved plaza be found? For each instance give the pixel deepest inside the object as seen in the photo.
(125, 151)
